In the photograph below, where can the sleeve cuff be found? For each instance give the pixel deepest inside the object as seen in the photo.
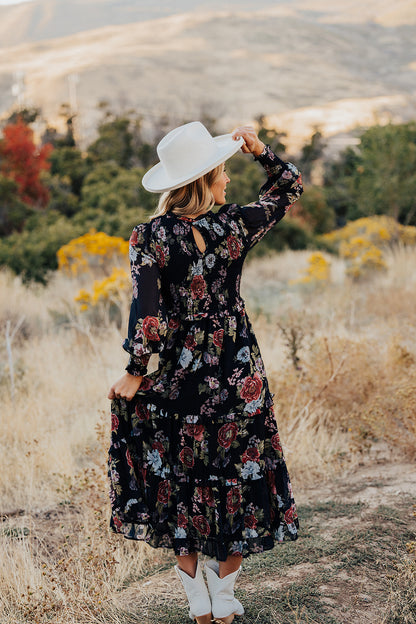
(263, 156)
(137, 366)
(272, 164)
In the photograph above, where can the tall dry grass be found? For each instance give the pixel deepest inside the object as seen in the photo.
(341, 359)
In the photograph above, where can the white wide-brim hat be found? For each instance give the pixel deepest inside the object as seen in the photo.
(187, 153)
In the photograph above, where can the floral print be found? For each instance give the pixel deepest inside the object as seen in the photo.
(195, 462)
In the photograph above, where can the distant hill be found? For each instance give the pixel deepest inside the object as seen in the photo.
(293, 60)
(48, 19)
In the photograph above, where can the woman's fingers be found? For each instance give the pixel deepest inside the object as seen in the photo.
(252, 143)
(125, 387)
(247, 132)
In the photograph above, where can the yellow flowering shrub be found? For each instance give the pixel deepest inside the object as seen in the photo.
(92, 252)
(102, 256)
(361, 243)
(362, 256)
(109, 290)
(408, 235)
(380, 230)
(317, 272)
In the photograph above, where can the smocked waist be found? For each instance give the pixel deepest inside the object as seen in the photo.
(234, 308)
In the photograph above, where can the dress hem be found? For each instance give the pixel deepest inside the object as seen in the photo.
(210, 547)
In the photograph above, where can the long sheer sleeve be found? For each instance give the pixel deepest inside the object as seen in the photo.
(147, 321)
(282, 189)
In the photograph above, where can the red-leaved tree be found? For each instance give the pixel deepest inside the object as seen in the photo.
(22, 161)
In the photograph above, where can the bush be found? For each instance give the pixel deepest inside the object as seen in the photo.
(246, 179)
(32, 253)
(69, 164)
(13, 212)
(289, 234)
(314, 210)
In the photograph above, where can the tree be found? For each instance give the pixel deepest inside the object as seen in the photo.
(13, 212)
(379, 177)
(386, 176)
(114, 143)
(313, 210)
(109, 187)
(270, 135)
(23, 162)
(311, 152)
(27, 115)
(69, 164)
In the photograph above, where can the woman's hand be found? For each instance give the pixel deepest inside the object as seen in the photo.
(125, 387)
(252, 143)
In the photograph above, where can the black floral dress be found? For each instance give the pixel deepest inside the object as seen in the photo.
(195, 462)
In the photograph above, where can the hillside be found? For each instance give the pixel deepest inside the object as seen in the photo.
(230, 64)
(40, 20)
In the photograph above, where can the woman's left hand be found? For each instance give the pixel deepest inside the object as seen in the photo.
(252, 143)
(125, 387)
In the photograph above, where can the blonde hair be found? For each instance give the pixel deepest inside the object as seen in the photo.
(192, 199)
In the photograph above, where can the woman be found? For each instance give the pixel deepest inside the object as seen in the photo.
(195, 462)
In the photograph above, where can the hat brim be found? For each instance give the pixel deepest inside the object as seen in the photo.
(156, 180)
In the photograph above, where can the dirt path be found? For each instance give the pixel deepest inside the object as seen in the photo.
(350, 565)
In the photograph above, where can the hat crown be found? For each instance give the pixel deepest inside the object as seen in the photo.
(185, 149)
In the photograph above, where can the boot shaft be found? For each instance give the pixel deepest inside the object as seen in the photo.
(222, 591)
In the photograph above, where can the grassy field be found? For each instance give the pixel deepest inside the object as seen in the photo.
(341, 358)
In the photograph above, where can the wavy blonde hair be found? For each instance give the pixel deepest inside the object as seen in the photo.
(192, 199)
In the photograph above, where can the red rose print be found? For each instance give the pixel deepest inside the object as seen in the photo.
(290, 515)
(133, 238)
(227, 434)
(114, 422)
(187, 457)
(205, 495)
(160, 256)
(250, 522)
(218, 337)
(233, 500)
(276, 442)
(182, 521)
(198, 287)
(146, 383)
(190, 342)
(142, 412)
(129, 459)
(201, 524)
(251, 389)
(251, 454)
(158, 446)
(150, 327)
(195, 431)
(173, 324)
(163, 493)
(117, 522)
(233, 247)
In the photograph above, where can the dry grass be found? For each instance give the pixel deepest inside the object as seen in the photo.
(354, 346)
(341, 359)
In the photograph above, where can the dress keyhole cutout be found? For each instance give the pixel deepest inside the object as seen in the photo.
(199, 239)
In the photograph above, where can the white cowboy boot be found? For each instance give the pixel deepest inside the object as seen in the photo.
(224, 605)
(197, 594)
